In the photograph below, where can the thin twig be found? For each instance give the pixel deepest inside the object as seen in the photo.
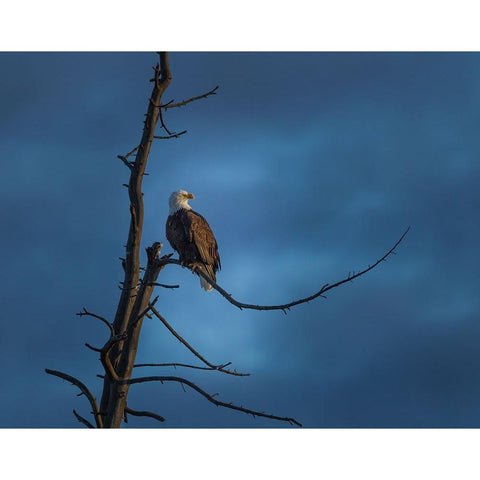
(168, 105)
(95, 349)
(83, 389)
(220, 368)
(83, 420)
(132, 152)
(210, 398)
(125, 161)
(287, 306)
(173, 135)
(175, 365)
(155, 284)
(160, 116)
(144, 312)
(104, 320)
(144, 413)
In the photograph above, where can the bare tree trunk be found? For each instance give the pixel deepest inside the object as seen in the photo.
(132, 300)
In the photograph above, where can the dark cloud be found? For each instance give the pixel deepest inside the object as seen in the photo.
(308, 166)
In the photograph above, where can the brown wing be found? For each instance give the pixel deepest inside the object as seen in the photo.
(177, 231)
(191, 236)
(202, 237)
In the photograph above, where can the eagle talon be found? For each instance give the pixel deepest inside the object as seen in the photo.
(194, 267)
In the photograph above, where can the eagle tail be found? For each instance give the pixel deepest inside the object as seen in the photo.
(205, 285)
(207, 269)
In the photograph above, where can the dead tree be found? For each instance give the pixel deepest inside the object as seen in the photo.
(118, 353)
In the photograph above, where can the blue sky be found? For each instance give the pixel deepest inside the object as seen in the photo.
(307, 166)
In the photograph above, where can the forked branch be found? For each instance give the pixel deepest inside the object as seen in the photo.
(285, 307)
(210, 398)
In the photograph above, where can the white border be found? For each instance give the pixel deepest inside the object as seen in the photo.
(146, 25)
(240, 454)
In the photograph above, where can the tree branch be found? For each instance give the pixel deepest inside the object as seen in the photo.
(220, 368)
(95, 349)
(162, 122)
(132, 152)
(168, 105)
(125, 161)
(104, 320)
(83, 420)
(287, 306)
(155, 284)
(175, 365)
(144, 312)
(210, 398)
(83, 389)
(144, 413)
(105, 355)
(173, 135)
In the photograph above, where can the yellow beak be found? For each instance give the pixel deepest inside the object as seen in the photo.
(190, 195)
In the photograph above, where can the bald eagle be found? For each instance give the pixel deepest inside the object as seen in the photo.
(191, 236)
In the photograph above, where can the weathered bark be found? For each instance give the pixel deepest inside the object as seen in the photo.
(132, 300)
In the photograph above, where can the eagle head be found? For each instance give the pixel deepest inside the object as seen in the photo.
(179, 199)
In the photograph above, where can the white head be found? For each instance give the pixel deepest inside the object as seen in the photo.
(178, 200)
